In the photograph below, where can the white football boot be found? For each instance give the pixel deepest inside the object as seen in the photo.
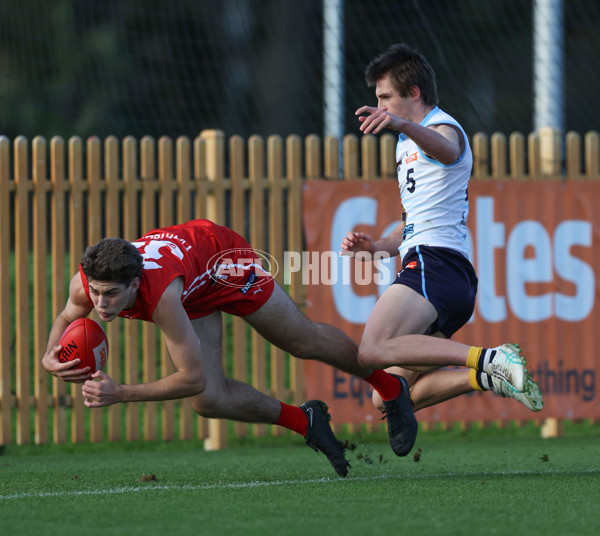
(509, 365)
(531, 397)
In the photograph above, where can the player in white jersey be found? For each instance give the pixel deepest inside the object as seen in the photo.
(437, 213)
(408, 331)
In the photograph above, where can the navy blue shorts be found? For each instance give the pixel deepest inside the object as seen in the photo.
(447, 279)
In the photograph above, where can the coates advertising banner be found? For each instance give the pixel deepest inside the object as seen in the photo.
(535, 247)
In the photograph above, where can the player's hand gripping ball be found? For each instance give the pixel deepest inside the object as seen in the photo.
(84, 339)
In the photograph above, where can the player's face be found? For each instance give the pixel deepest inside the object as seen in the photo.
(110, 299)
(389, 99)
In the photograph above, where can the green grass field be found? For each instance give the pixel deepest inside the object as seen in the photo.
(507, 481)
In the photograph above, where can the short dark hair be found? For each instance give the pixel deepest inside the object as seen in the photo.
(112, 260)
(407, 68)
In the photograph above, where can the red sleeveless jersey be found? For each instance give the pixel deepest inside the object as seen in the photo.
(219, 268)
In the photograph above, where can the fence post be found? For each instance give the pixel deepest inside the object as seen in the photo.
(550, 152)
(499, 164)
(113, 229)
(215, 209)
(5, 295)
(131, 231)
(238, 224)
(200, 178)
(276, 246)
(350, 153)
(201, 197)
(256, 174)
(294, 203)
(94, 218)
(312, 157)
(76, 249)
(592, 155)
(166, 186)
(331, 158)
(183, 177)
(22, 324)
(387, 155)
(59, 255)
(550, 164)
(592, 170)
(148, 220)
(517, 156)
(40, 287)
(573, 156)
(368, 148)
(480, 156)
(215, 174)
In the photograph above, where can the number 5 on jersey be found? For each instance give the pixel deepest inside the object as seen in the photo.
(410, 180)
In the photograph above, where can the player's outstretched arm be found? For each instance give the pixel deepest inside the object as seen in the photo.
(184, 349)
(77, 306)
(356, 243)
(441, 142)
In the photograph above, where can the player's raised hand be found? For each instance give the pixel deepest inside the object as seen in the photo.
(101, 390)
(374, 120)
(361, 245)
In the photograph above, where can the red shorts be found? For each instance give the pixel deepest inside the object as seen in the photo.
(239, 285)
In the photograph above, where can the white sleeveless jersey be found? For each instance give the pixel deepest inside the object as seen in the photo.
(434, 195)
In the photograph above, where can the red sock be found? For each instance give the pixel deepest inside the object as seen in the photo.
(293, 418)
(385, 384)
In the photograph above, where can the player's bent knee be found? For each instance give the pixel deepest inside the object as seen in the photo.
(377, 400)
(206, 405)
(197, 383)
(369, 357)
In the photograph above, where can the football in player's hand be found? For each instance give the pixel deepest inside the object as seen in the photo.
(84, 339)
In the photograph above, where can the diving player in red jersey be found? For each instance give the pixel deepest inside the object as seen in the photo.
(182, 278)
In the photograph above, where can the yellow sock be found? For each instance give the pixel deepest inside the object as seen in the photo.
(473, 380)
(473, 357)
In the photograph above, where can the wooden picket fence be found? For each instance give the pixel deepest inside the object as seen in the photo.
(57, 198)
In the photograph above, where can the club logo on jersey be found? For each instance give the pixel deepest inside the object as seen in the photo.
(242, 268)
(399, 162)
(154, 247)
(249, 282)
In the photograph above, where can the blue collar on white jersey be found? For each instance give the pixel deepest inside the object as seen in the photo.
(402, 137)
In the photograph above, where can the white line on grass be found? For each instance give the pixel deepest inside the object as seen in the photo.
(267, 483)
